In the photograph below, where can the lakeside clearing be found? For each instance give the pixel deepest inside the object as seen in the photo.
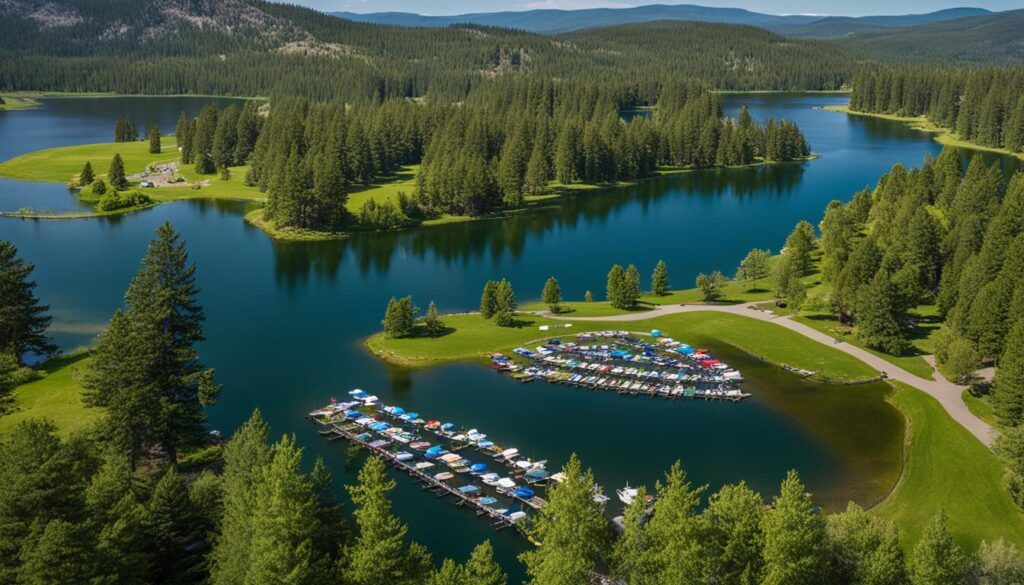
(56, 396)
(17, 102)
(943, 136)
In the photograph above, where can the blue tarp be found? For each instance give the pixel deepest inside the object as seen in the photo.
(447, 427)
(478, 467)
(397, 410)
(686, 350)
(413, 415)
(656, 333)
(523, 492)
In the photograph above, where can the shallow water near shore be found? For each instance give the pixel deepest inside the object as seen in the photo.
(285, 320)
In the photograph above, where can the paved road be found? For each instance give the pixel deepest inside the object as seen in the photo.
(947, 393)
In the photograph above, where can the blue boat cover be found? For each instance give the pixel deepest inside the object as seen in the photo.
(478, 467)
(468, 489)
(523, 492)
(397, 410)
(447, 427)
(435, 450)
(413, 415)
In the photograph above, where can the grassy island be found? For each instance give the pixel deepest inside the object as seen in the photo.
(19, 102)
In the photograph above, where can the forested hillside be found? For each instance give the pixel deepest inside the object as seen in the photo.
(985, 106)
(250, 47)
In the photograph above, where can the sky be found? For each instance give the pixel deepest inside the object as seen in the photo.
(831, 7)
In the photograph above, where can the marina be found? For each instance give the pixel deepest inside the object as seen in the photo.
(622, 362)
(436, 454)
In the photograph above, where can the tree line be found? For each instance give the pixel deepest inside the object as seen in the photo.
(508, 141)
(271, 49)
(983, 105)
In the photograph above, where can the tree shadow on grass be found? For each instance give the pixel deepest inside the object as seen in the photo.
(420, 332)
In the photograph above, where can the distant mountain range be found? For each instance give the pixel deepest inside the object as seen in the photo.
(548, 21)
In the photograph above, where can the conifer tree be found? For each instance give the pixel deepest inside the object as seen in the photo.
(936, 559)
(86, 177)
(505, 297)
(879, 316)
(489, 299)
(379, 553)
(400, 317)
(171, 525)
(799, 245)
(659, 279)
(733, 519)
(631, 286)
(1008, 387)
(120, 523)
(449, 573)
(537, 171)
(153, 136)
(23, 319)
(146, 369)
(184, 136)
(615, 292)
(588, 297)
(116, 176)
(284, 521)
(998, 563)
(60, 555)
(573, 531)
(202, 140)
(864, 549)
(481, 568)
(552, 294)
(793, 538)
(675, 530)
(245, 457)
(432, 325)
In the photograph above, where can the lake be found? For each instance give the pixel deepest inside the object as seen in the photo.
(285, 320)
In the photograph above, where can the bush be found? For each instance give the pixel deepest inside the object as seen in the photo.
(116, 200)
(99, 187)
(382, 216)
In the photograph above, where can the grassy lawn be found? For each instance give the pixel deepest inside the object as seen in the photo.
(472, 337)
(948, 469)
(980, 406)
(387, 189)
(56, 396)
(913, 363)
(62, 163)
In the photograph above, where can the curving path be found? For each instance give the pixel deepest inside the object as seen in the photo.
(947, 393)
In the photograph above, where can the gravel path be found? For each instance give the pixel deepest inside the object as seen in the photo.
(947, 393)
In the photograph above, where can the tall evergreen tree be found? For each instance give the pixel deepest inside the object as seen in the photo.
(552, 294)
(632, 558)
(793, 538)
(880, 316)
(489, 299)
(23, 319)
(676, 530)
(615, 292)
(481, 568)
(172, 527)
(573, 532)
(733, 520)
(60, 555)
(245, 457)
(87, 176)
(754, 267)
(936, 559)
(380, 553)
(115, 175)
(153, 136)
(630, 294)
(659, 279)
(864, 549)
(284, 521)
(1008, 395)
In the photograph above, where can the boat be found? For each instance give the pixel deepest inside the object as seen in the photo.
(403, 456)
(599, 497)
(523, 492)
(487, 501)
(627, 494)
(419, 445)
(505, 483)
(444, 476)
(469, 489)
(423, 465)
(490, 478)
(516, 516)
(478, 468)
(508, 453)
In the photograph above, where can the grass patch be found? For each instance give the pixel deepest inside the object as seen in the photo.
(386, 189)
(56, 396)
(62, 163)
(256, 219)
(12, 103)
(913, 362)
(946, 468)
(474, 337)
(980, 406)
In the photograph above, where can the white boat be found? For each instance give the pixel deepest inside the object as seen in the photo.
(510, 453)
(627, 494)
(514, 516)
(403, 456)
(599, 497)
(505, 483)
(490, 479)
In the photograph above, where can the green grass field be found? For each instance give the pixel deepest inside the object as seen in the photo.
(62, 163)
(12, 103)
(948, 469)
(56, 396)
(980, 406)
(473, 337)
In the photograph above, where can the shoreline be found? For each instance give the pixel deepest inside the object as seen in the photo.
(943, 136)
